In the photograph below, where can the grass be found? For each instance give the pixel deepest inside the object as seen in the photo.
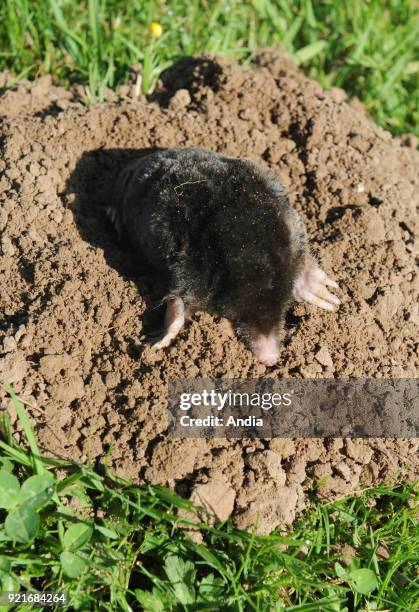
(112, 546)
(369, 48)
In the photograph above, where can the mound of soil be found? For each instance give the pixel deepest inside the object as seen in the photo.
(71, 330)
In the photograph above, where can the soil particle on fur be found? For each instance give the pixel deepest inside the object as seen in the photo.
(71, 332)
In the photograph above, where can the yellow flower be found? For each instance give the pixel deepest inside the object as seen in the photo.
(155, 29)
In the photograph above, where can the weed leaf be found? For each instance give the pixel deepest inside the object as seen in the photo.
(149, 601)
(210, 589)
(182, 577)
(8, 583)
(77, 536)
(9, 490)
(6, 465)
(340, 571)
(36, 491)
(22, 524)
(363, 581)
(108, 533)
(73, 565)
(5, 564)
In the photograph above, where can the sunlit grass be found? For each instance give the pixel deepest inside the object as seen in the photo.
(368, 48)
(110, 545)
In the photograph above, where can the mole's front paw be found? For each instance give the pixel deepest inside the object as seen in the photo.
(164, 342)
(311, 287)
(173, 322)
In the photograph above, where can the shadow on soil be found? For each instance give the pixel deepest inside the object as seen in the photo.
(93, 184)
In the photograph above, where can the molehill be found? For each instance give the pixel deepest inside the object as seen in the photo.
(72, 303)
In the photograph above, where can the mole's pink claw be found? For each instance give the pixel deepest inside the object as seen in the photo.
(311, 287)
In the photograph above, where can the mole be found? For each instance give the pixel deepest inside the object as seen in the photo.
(220, 235)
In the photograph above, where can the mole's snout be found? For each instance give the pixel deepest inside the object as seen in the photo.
(265, 347)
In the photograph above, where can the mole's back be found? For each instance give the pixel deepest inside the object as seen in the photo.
(221, 226)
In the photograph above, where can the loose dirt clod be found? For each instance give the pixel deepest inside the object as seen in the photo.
(71, 335)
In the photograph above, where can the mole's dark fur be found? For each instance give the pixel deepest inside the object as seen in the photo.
(219, 230)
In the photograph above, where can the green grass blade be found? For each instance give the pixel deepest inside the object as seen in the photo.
(30, 436)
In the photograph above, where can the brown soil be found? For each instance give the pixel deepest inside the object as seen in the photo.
(71, 336)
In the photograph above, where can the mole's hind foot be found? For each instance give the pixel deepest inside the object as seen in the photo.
(311, 287)
(174, 320)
